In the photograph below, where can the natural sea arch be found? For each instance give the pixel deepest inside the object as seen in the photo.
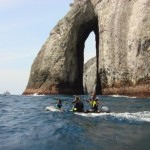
(122, 50)
(84, 32)
(38, 82)
(58, 67)
(89, 73)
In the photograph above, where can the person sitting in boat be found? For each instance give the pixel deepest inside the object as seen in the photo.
(95, 105)
(90, 101)
(78, 105)
(59, 104)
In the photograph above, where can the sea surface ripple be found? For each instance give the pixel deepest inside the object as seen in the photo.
(26, 125)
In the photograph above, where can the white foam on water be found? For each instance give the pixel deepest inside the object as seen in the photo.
(36, 94)
(122, 96)
(52, 108)
(118, 96)
(136, 116)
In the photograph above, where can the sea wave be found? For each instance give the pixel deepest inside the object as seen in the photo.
(126, 116)
(36, 94)
(122, 96)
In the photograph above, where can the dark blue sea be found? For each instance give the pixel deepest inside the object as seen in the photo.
(26, 125)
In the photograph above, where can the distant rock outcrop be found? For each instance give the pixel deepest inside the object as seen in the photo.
(6, 93)
(122, 30)
(89, 75)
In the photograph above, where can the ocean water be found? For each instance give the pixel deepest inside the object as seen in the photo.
(26, 125)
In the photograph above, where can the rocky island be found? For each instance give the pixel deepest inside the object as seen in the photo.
(122, 39)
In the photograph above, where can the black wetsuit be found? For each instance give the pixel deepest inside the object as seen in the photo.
(59, 105)
(95, 108)
(79, 106)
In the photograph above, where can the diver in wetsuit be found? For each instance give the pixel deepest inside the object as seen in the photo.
(78, 105)
(93, 103)
(59, 104)
(90, 101)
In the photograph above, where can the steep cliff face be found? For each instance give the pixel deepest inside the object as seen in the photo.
(89, 76)
(58, 68)
(122, 29)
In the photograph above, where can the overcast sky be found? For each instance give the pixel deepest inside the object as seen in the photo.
(24, 27)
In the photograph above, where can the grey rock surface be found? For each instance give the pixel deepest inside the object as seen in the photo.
(122, 29)
(89, 76)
